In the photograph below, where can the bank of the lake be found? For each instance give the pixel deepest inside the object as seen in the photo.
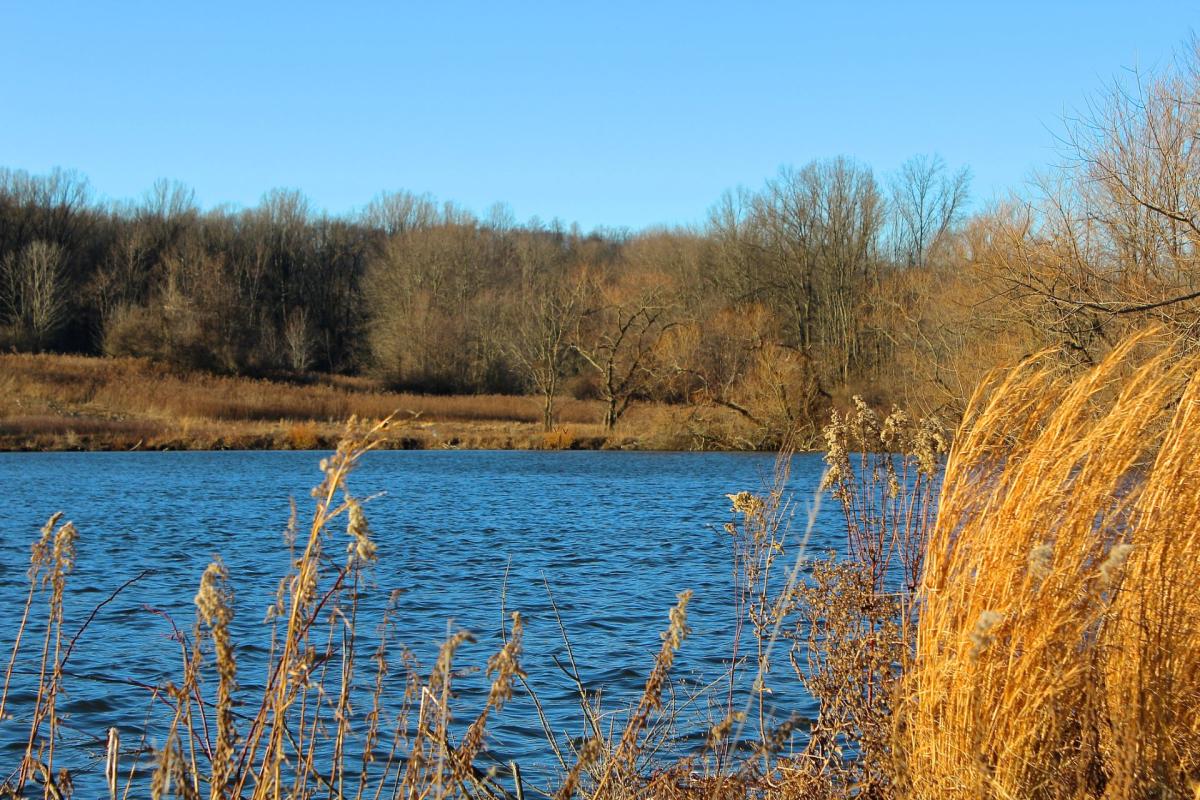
(77, 403)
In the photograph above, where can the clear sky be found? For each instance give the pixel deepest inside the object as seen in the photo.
(617, 114)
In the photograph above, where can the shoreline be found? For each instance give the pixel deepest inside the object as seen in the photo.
(465, 438)
(58, 403)
(285, 440)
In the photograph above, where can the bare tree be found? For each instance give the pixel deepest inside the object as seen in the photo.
(34, 297)
(619, 337)
(818, 231)
(733, 359)
(169, 200)
(541, 338)
(1114, 238)
(397, 213)
(298, 340)
(926, 202)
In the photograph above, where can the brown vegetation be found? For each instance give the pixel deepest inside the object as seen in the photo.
(1057, 645)
(76, 402)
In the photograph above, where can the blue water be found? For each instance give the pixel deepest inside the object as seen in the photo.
(615, 536)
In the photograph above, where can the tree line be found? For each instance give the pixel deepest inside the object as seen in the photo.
(826, 280)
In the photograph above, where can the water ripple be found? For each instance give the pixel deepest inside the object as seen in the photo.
(467, 535)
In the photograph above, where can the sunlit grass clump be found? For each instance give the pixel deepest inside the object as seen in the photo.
(1058, 646)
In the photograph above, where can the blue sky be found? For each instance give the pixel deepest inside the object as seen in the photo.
(616, 114)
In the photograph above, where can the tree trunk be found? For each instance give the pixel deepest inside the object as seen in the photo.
(548, 412)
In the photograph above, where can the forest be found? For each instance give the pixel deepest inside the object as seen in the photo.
(826, 281)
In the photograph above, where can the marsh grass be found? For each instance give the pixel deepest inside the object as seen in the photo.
(1058, 644)
(125, 385)
(55, 402)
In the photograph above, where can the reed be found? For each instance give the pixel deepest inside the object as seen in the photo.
(303, 730)
(51, 562)
(1057, 645)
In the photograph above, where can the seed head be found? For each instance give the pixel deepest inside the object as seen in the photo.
(1041, 558)
(982, 636)
(1113, 566)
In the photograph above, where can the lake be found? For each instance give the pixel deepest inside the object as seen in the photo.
(615, 536)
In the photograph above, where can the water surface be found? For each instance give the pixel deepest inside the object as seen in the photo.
(615, 536)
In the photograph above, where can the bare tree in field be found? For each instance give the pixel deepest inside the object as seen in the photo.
(541, 346)
(619, 337)
(33, 297)
(927, 200)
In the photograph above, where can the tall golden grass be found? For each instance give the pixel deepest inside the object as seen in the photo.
(1058, 647)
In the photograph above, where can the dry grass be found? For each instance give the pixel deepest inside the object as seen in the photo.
(130, 385)
(1058, 647)
(74, 402)
(53, 402)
